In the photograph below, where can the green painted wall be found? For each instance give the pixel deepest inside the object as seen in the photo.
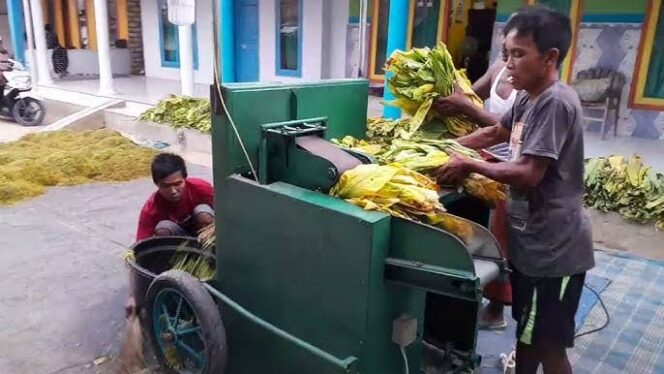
(354, 9)
(611, 8)
(615, 6)
(506, 7)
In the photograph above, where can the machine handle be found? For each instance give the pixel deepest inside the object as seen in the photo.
(345, 364)
(430, 278)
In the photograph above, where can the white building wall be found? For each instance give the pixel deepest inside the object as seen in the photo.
(336, 54)
(317, 46)
(151, 46)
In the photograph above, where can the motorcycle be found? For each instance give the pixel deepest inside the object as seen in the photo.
(15, 104)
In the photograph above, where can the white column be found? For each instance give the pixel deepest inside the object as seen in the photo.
(30, 46)
(186, 60)
(363, 39)
(103, 49)
(40, 42)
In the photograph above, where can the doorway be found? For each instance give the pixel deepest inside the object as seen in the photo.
(246, 40)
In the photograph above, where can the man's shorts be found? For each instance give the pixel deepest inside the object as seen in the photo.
(185, 229)
(544, 308)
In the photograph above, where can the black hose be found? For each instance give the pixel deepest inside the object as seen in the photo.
(606, 312)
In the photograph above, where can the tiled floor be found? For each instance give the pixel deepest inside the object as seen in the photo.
(652, 151)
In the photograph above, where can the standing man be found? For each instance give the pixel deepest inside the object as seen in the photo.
(495, 86)
(549, 234)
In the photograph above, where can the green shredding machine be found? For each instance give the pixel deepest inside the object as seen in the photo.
(308, 283)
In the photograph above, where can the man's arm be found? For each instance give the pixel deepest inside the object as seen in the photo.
(526, 172)
(482, 117)
(482, 86)
(485, 137)
(146, 226)
(458, 102)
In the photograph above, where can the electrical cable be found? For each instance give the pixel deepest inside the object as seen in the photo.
(606, 312)
(230, 120)
(406, 368)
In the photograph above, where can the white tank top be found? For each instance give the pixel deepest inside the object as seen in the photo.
(497, 104)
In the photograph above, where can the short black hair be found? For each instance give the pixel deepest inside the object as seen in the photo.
(548, 28)
(165, 164)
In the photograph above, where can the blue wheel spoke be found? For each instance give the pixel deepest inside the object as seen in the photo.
(177, 312)
(168, 317)
(188, 331)
(195, 355)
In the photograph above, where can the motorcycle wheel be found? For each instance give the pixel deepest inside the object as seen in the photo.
(28, 111)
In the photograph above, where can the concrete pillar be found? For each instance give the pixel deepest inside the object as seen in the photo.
(186, 60)
(397, 32)
(43, 71)
(16, 28)
(227, 38)
(27, 16)
(103, 48)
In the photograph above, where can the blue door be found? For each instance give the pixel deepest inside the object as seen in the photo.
(246, 40)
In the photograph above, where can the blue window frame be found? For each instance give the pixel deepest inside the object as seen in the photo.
(289, 37)
(169, 40)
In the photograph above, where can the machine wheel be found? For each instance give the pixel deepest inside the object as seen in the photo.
(28, 111)
(185, 326)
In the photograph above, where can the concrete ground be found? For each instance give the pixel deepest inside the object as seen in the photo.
(64, 283)
(10, 131)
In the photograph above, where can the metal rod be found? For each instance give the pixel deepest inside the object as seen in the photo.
(363, 38)
(344, 364)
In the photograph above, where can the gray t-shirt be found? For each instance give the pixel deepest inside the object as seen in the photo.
(548, 230)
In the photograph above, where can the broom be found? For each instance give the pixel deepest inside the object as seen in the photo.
(130, 358)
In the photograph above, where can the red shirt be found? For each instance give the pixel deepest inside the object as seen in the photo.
(156, 209)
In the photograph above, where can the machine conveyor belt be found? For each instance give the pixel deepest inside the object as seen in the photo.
(486, 270)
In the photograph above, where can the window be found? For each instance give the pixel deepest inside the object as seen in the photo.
(648, 83)
(289, 38)
(170, 41)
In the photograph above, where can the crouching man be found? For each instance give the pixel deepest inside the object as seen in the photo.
(181, 206)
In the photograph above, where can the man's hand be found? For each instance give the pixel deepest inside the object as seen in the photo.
(455, 104)
(453, 172)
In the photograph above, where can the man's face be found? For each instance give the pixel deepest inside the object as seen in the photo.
(172, 187)
(526, 66)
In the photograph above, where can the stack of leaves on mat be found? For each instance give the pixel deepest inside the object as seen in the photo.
(625, 186)
(421, 75)
(399, 192)
(64, 158)
(181, 112)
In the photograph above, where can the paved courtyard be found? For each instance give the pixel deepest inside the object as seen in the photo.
(64, 283)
